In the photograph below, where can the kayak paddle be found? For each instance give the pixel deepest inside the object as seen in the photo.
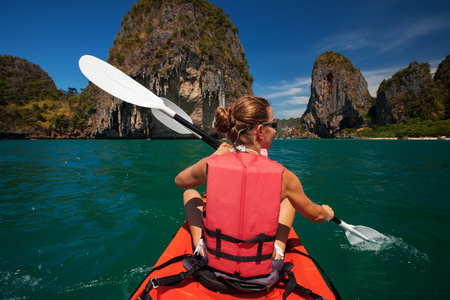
(358, 234)
(120, 85)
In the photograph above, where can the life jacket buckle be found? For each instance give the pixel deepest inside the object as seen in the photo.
(154, 282)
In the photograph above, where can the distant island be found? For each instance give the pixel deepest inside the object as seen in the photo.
(189, 52)
(412, 103)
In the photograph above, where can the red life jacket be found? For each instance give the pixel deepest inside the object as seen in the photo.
(241, 214)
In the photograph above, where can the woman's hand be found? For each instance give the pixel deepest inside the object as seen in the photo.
(329, 211)
(223, 148)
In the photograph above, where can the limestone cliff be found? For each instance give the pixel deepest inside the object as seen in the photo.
(442, 80)
(339, 97)
(186, 51)
(443, 73)
(396, 95)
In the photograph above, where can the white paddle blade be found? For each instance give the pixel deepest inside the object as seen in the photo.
(117, 83)
(169, 121)
(358, 234)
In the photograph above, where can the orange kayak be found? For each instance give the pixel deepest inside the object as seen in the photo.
(306, 274)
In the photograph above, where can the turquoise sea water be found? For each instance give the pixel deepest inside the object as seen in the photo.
(88, 219)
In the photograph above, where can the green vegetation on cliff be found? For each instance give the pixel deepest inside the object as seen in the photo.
(32, 106)
(425, 100)
(333, 58)
(427, 111)
(442, 80)
(202, 29)
(427, 128)
(22, 82)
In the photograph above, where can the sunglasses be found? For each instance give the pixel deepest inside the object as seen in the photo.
(274, 125)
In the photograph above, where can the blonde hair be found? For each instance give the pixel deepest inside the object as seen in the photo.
(245, 111)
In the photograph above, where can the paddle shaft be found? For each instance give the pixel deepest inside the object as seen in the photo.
(350, 228)
(336, 220)
(202, 135)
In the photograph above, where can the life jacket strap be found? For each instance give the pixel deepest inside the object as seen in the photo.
(260, 238)
(257, 258)
(219, 236)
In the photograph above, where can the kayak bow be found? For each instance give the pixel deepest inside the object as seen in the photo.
(306, 274)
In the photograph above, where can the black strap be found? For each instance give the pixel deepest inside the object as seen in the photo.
(172, 280)
(219, 236)
(239, 258)
(292, 284)
(260, 247)
(332, 287)
(218, 233)
(146, 292)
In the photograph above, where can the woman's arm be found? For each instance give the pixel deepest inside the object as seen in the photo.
(196, 174)
(193, 176)
(293, 190)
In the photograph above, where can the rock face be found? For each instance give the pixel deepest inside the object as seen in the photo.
(394, 94)
(339, 97)
(186, 51)
(443, 73)
(118, 119)
(442, 79)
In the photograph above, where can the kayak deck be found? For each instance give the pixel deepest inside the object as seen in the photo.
(306, 274)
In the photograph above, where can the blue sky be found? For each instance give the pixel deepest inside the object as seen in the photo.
(281, 38)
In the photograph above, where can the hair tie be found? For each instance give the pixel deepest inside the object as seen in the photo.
(232, 122)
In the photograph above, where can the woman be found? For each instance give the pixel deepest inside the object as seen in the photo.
(229, 173)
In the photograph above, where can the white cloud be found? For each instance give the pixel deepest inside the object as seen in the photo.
(287, 114)
(434, 64)
(296, 82)
(290, 95)
(296, 100)
(354, 39)
(402, 34)
(385, 38)
(285, 88)
(287, 92)
(375, 77)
